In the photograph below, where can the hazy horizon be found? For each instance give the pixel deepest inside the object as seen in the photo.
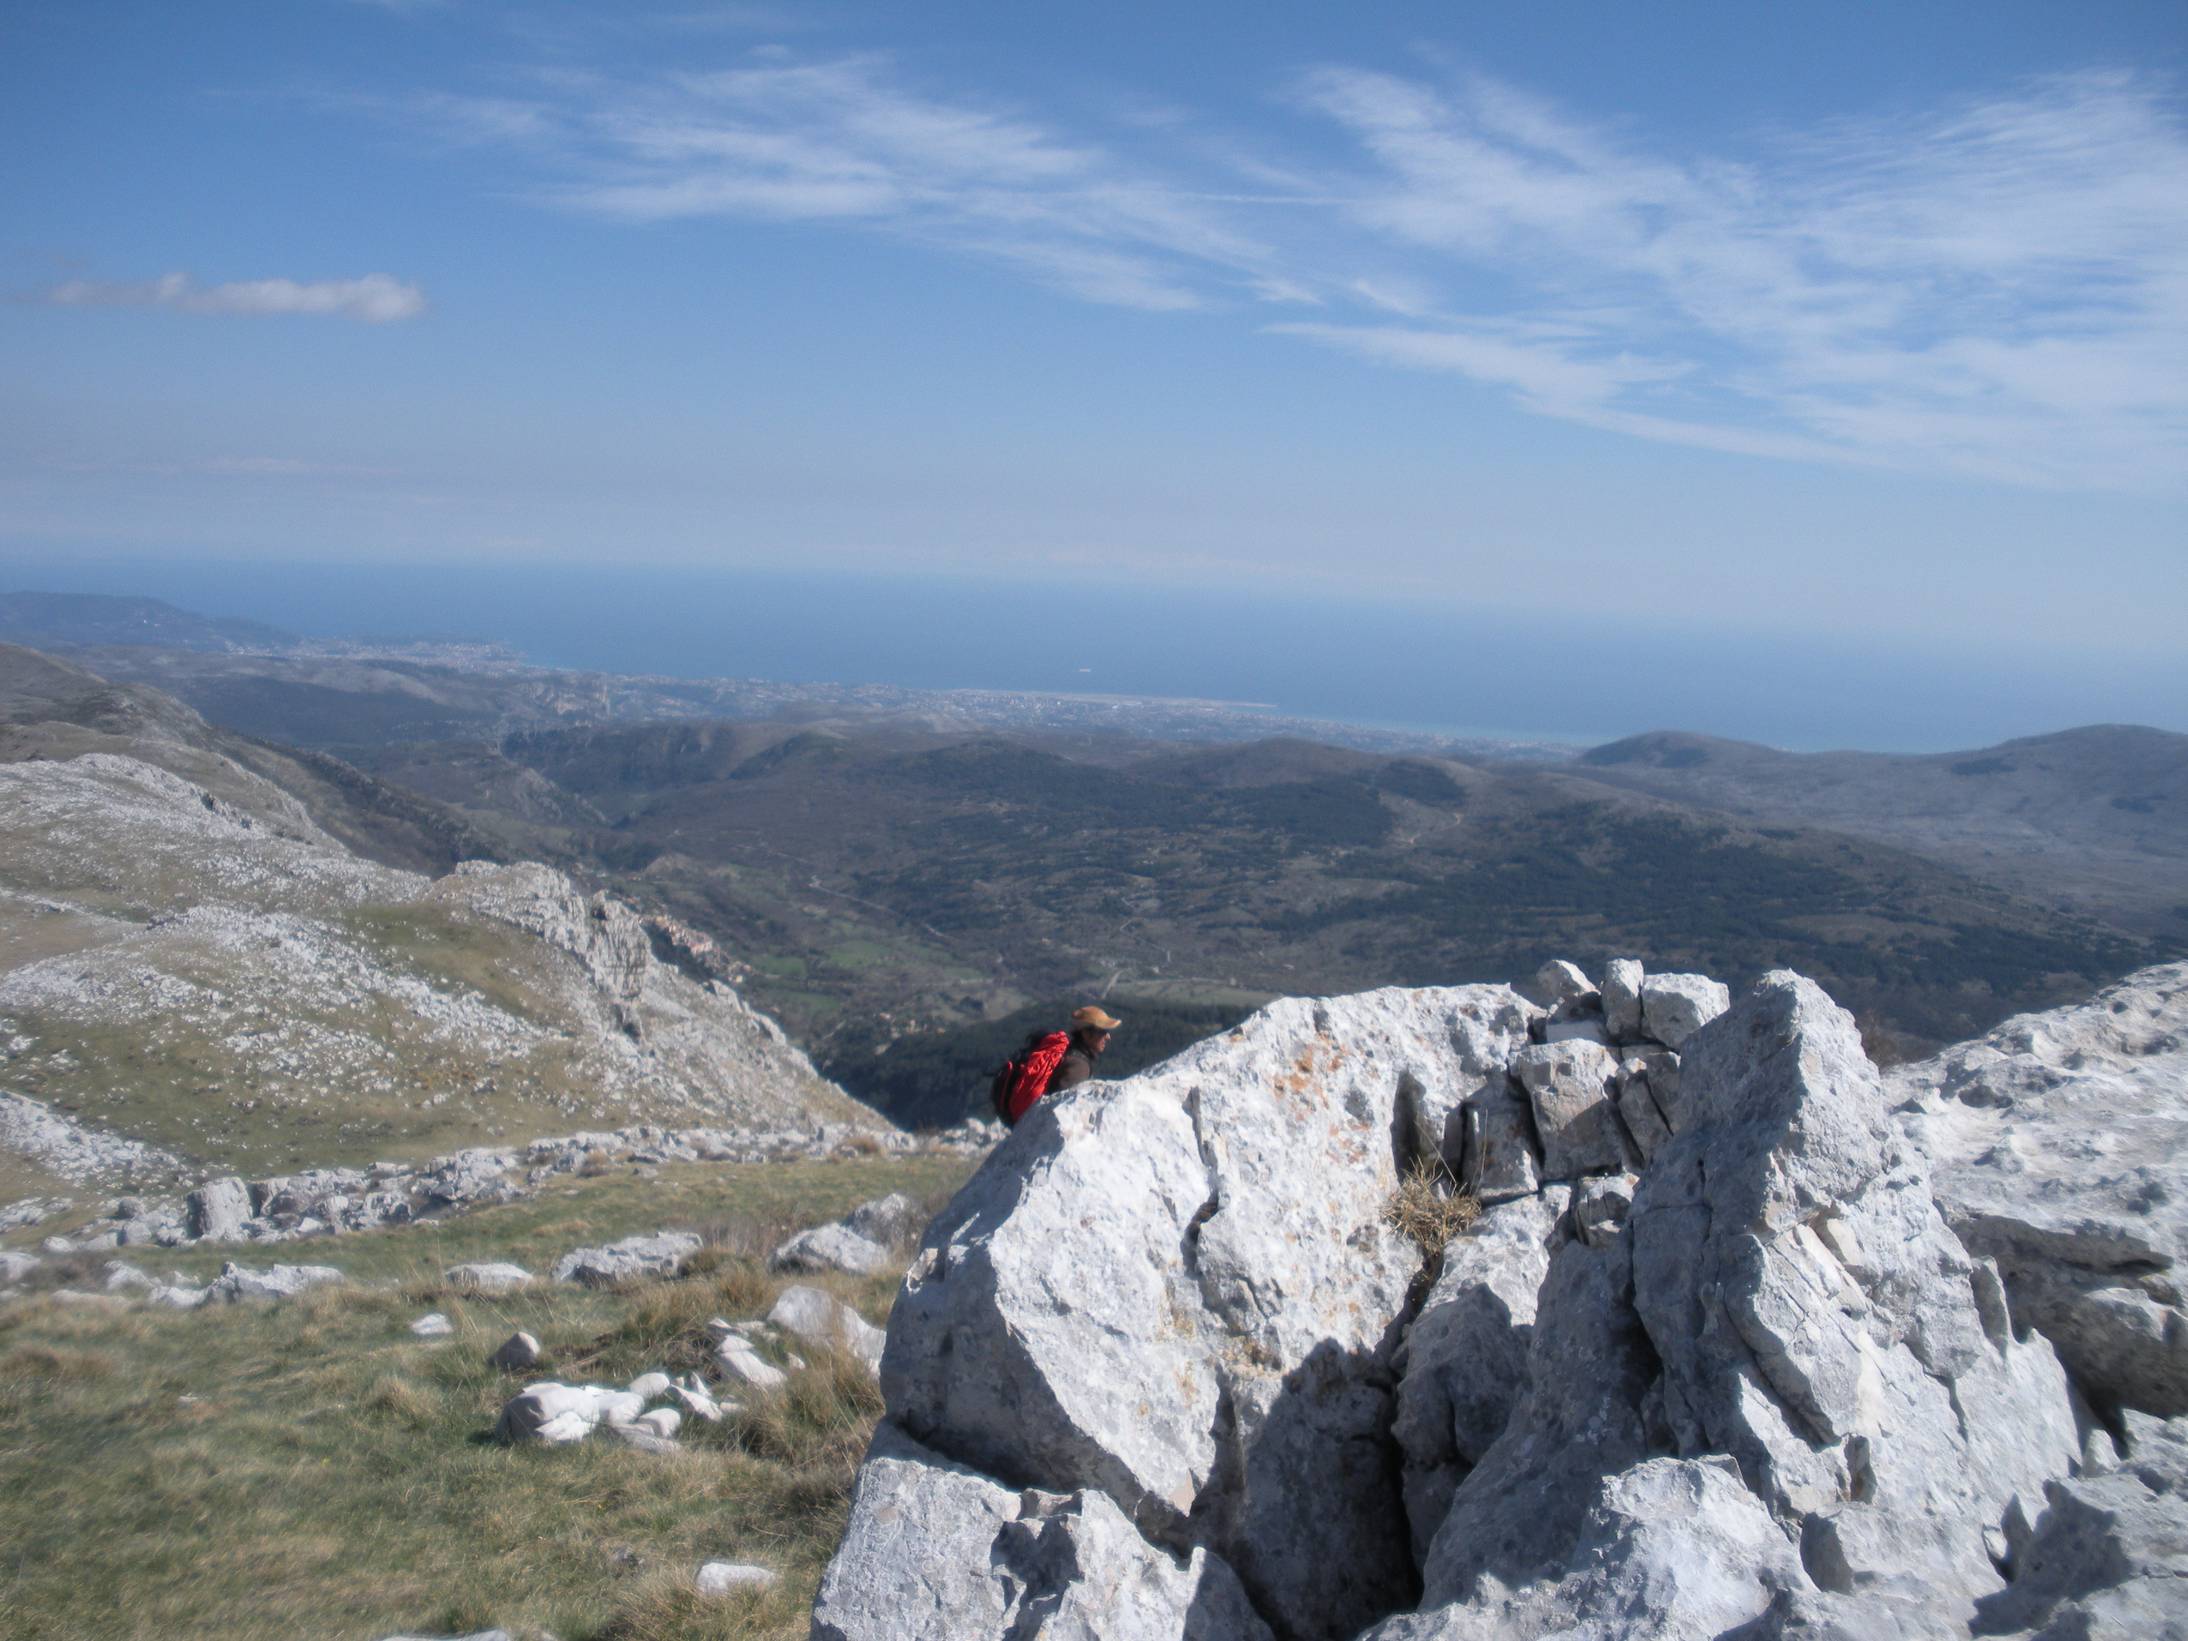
(1586, 679)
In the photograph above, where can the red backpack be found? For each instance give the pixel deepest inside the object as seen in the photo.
(1023, 1078)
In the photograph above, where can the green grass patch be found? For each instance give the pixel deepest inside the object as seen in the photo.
(312, 1468)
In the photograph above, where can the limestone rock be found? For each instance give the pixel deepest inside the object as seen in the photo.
(235, 1282)
(1816, 1320)
(694, 1398)
(830, 1248)
(2109, 1554)
(1638, 1109)
(1466, 1354)
(815, 1317)
(433, 1325)
(885, 1220)
(1180, 1289)
(487, 1277)
(641, 1435)
(559, 1413)
(15, 1267)
(515, 1353)
(2060, 1146)
(1670, 1549)
(988, 1563)
(175, 1297)
(721, 1577)
(1556, 981)
(1675, 1006)
(663, 1422)
(217, 1211)
(1569, 1086)
(649, 1385)
(1622, 978)
(661, 1254)
(738, 1360)
(1600, 1207)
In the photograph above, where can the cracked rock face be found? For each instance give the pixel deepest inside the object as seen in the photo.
(2060, 1145)
(1756, 1386)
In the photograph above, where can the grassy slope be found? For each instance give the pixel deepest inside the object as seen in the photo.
(330, 1474)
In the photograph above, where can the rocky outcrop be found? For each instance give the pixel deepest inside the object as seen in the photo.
(2058, 1143)
(1741, 1380)
(246, 957)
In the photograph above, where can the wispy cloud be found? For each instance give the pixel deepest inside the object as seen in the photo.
(1998, 287)
(375, 299)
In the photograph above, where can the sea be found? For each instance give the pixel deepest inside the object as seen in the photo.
(1583, 675)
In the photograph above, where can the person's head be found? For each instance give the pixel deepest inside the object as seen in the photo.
(1092, 1027)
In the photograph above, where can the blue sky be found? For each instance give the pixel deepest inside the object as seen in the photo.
(1859, 320)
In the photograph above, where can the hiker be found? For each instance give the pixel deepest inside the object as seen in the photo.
(1052, 1062)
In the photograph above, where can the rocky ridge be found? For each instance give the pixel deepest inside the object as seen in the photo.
(255, 978)
(1735, 1348)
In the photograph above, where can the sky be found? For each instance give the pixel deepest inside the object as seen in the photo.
(1861, 325)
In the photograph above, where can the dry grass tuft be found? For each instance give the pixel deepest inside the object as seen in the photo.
(398, 1398)
(664, 1607)
(1429, 1207)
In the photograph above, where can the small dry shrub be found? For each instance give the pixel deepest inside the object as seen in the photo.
(1429, 1207)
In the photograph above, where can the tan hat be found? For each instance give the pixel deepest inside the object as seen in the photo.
(1094, 1017)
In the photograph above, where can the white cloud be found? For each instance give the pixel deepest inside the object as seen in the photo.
(1997, 288)
(376, 299)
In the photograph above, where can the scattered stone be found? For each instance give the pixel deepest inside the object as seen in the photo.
(661, 1254)
(236, 1283)
(121, 1275)
(1675, 1006)
(558, 1413)
(694, 1398)
(722, 1577)
(830, 1248)
(738, 1360)
(515, 1353)
(886, 1220)
(815, 1317)
(177, 1297)
(486, 1278)
(433, 1325)
(634, 1433)
(15, 1267)
(650, 1385)
(661, 1421)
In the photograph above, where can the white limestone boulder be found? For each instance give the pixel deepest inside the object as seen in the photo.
(938, 1552)
(886, 1220)
(217, 1211)
(2059, 1144)
(1816, 1319)
(830, 1248)
(632, 1259)
(1675, 1006)
(237, 1282)
(558, 1413)
(1180, 1290)
(516, 1353)
(486, 1277)
(724, 1577)
(821, 1320)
